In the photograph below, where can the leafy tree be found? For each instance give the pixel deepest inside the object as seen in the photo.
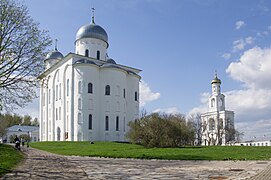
(27, 120)
(25, 137)
(35, 122)
(3, 126)
(22, 50)
(12, 138)
(11, 119)
(161, 130)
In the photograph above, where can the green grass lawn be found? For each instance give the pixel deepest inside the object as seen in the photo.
(9, 158)
(125, 150)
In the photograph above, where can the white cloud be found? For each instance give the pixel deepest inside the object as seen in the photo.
(249, 40)
(269, 28)
(238, 45)
(252, 105)
(204, 98)
(239, 24)
(259, 129)
(253, 68)
(226, 56)
(170, 110)
(146, 94)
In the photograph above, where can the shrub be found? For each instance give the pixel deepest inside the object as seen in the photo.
(161, 130)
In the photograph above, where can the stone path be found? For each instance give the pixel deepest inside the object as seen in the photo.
(42, 165)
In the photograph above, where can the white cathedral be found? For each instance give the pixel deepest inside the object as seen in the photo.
(87, 96)
(217, 123)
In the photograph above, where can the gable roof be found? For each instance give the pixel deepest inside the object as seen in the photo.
(23, 128)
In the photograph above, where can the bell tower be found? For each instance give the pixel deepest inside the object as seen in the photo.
(217, 123)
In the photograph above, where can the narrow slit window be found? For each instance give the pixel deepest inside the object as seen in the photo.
(86, 53)
(106, 123)
(98, 55)
(107, 90)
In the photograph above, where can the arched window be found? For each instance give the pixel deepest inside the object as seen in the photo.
(136, 96)
(220, 123)
(107, 90)
(106, 123)
(212, 102)
(98, 55)
(90, 88)
(221, 102)
(211, 124)
(90, 121)
(117, 123)
(86, 53)
(124, 93)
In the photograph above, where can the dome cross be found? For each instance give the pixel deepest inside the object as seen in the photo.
(56, 44)
(93, 13)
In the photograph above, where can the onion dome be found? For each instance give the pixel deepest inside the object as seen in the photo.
(216, 80)
(54, 54)
(92, 31)
(111, 61)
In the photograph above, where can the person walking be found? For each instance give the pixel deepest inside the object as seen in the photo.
(17, 143)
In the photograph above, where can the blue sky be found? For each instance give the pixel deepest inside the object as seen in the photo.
(179, 44)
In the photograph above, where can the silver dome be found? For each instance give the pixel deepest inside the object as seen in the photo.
(111, 61)
(54, 54)
(92, 31)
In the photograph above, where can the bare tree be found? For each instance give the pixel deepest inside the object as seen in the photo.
(196, 122)
(22, 50)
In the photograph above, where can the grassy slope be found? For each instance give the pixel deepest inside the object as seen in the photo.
(123, 150)
(9, 158)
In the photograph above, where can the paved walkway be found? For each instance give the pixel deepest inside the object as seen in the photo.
(42, 165)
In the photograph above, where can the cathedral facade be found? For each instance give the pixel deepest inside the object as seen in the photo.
(217, 123)
(87, 96)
